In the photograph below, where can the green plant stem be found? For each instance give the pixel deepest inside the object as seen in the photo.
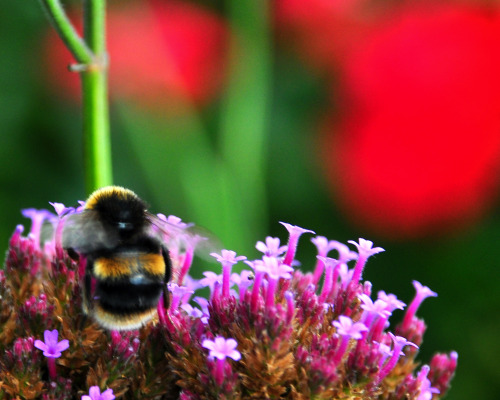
(67, 32)
(97, 141)
(92, 64)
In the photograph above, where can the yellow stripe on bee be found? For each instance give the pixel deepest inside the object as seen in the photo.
(108, 191)
(113, 267)
(119, 266)
(154, 264)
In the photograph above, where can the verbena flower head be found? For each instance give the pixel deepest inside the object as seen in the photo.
(284, 333)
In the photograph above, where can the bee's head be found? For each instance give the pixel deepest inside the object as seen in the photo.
(119, 209)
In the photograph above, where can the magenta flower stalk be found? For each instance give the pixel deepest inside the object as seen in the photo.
(227, 258)
(422, 293)
(51, 349)
(275, 270)
(38, 217)
(346, 329)
(259, 275)
(294, 234)
(392, 303)
(330, 264)
(210, 280)
(365, 250)
(290, 309)
(62, 212)
(95, 394)
(373, 311)
(189, 252)
(221, 348)
(160, 309)
(178, 293)
(426, 391)
(324, 246)
(243, 280)
(399, 343)
(186, 264)
(341, 270)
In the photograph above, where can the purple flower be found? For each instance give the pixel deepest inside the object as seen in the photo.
(179, 294)
(377, 307)
(346, 327)
(95, 394)
(51, 347)
(330, 264)
(202, 302)
(422, 293)
(61, 210)
(271, 247)
(37, 219)
(295, 232)
(365, 250)
(324, 246)
(174, 221)
(392, 301)
(243, 280)
(345, 274)
(399, 343)
(227, 258)
(210, 280)
(426, 392)
(273, 268)
(221, 348)
(191, 311)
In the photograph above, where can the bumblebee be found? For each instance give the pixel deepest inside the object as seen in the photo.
(127, 265)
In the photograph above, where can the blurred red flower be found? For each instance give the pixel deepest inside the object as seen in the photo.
(322, 31)
(418, 146)
(163, 54)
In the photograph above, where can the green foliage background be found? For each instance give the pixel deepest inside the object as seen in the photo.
(41, 161)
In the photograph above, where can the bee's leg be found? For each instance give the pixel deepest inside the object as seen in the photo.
(73, 254)
(168, 274)
(87, 289)
(86, 295)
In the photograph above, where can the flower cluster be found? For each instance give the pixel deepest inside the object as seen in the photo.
(266, 332)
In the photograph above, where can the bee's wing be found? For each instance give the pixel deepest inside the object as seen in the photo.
(85, 233)
(178, 236)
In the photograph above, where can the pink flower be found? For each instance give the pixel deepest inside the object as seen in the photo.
(221, 348)
(51, 347)
(95, 394)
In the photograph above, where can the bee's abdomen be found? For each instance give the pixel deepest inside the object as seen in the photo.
(122, 298)
(128, 288)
